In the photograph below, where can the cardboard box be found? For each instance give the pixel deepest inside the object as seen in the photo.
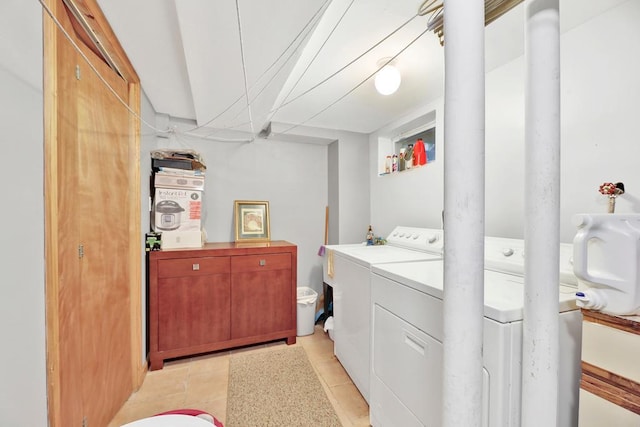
(177, 210)
(182, 239)
(166, 180)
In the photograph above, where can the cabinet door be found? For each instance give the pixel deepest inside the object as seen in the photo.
(193, 307)
(261, 295)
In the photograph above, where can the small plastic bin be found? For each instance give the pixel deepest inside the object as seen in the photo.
(307, 298)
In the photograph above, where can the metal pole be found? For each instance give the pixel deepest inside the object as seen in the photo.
(464, 213)
(540, 348)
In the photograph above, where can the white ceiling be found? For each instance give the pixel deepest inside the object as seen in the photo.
(193, 65)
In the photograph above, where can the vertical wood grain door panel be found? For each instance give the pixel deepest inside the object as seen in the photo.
(69, 264)
(89, 186)
(103, 203)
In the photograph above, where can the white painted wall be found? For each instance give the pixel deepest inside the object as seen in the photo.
(334, 192)
(599, 89)
(291, 176)
(414, 197)
(23, 400)
(353, 188)
(294, 174)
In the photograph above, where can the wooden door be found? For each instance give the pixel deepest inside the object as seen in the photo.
(92, 193)
(102, 205)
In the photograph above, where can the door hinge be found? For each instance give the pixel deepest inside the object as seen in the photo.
(77, 72)
(80, 251)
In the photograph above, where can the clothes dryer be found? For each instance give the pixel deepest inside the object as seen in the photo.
(347, 269)
(407, 334)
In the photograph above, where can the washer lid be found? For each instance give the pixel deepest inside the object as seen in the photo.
(503, 293)
(369, 255)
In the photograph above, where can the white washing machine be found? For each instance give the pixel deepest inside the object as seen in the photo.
(347, 268)
(407, 333)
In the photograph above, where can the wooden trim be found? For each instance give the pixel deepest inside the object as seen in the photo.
(110, 43)
(618, 390)
(50, 78)
(136, 248)
(627, 324)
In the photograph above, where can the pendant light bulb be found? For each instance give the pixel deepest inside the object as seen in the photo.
(388, 80)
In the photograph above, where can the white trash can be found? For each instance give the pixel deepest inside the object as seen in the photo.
(307, 298)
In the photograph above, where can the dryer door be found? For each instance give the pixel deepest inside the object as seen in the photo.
(407, 372)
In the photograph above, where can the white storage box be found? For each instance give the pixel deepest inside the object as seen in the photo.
(182, 239)
(177, 210)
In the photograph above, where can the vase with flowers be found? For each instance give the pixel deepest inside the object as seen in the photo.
(612, 191)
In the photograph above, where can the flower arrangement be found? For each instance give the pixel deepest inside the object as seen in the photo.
(612, 191)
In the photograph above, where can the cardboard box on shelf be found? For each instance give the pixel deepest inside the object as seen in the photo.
(177, 210)
(166, 180)
(183, 239)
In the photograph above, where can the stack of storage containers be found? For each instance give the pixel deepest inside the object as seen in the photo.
(177, 188)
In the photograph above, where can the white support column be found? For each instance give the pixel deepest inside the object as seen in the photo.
(464, 213)
(540, 348)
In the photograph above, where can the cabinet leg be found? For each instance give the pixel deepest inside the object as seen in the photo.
(155, 364)
(291, 340)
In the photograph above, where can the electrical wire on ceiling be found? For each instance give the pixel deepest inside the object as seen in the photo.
(284, 103)
(384, 64)
(282, 65)
(175, 131)
(299, 38)
(244, 67)
(170, 131)
(434, 9)
(304, 72)
(346, 66)
(95, 70)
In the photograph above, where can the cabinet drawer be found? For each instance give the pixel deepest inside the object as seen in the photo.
(247, 263)
(193, 266)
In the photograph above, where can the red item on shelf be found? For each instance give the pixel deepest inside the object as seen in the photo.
(419, 153)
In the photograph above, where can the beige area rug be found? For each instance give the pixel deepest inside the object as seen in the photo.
(276, 388)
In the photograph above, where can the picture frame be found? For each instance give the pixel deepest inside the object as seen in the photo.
(251, 219)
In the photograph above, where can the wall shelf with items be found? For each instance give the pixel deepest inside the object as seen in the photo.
(408, 150)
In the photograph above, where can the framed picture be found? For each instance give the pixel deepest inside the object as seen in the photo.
(252, 221)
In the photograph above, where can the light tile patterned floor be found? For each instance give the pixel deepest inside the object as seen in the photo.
(187, 383)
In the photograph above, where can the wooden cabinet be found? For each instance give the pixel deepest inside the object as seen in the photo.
(221, 296)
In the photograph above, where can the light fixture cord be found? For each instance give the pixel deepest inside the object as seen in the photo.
(244, 67)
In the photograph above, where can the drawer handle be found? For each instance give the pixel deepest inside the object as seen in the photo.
(195, 267)
(263, 262)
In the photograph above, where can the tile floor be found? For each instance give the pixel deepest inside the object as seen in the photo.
(186, 383)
